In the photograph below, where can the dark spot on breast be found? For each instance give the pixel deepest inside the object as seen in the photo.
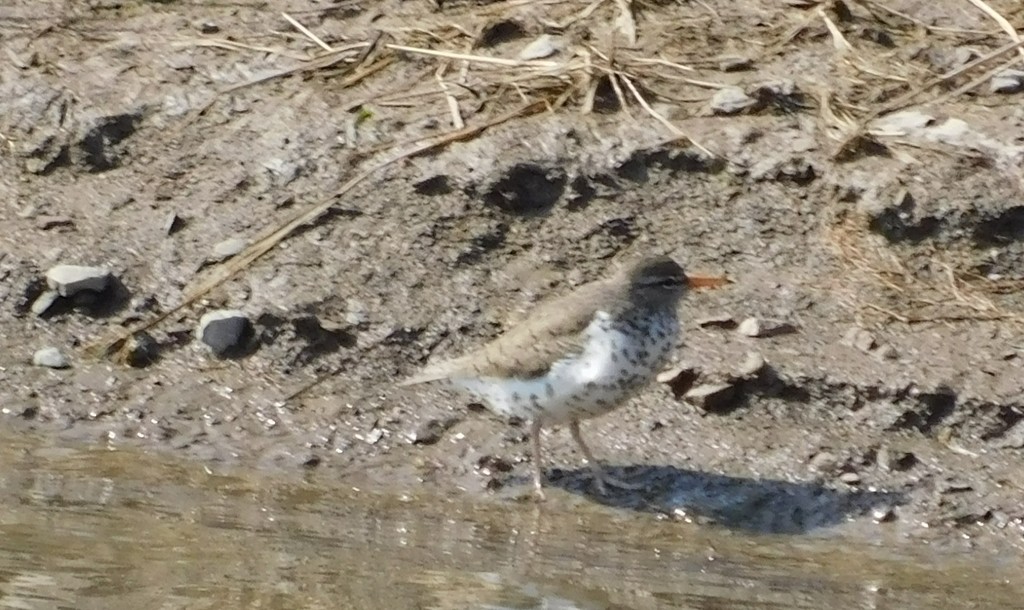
(534, 398)
(549, 390)
(615, 357)
(516, 397)
(590, 385)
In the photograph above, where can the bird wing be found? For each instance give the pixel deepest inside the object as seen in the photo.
(553, 331)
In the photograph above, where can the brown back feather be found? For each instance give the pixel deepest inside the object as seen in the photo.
(552, 330)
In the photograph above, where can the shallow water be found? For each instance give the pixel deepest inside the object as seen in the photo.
(123, 529)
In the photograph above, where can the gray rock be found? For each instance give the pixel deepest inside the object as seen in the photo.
(224, 331)
(69, 280)
(712, 396)
(1007, 81)
(50, 357)
(228, 248)
(731, 100)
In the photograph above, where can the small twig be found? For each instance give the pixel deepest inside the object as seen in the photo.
(661, 119)
(453, 104)
(1003, 23)
(612, 78)
(839, 41)
(316, 39)
(974, 83)
(324, 61)
(533, 63)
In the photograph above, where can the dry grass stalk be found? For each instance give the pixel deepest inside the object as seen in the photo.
(876, 279)
(999, 19)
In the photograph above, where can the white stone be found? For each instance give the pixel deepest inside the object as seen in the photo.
(50, 357)
(69, 280)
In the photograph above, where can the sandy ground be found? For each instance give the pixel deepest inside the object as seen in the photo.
(867, 210)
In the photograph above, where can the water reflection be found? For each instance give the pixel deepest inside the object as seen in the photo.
(120, 529)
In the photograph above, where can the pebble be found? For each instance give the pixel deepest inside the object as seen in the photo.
(680, 379)
(224, 330)
(355, 312)
(850, 478)
(488, 464)
(228, 248)
(896, 460)
(750, 327)
(753, 365)
(69, 280)
(712, 396)
(887, 352)
(823, 461)
(374, 436)
(44, 302)
(859, 338)
(1008, 81)
(883, 514)
(734, 63)
(50, 357)
(731, 100)
(174, 223)
(754, 327)
(430, 431)
(140, 350)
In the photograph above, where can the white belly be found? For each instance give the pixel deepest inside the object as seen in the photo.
(615, 362)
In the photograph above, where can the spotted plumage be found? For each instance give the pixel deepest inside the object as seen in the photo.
(577, 356)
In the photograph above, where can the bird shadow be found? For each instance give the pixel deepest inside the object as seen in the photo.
(767, 506)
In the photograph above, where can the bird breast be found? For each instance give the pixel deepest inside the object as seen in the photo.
(617, 357)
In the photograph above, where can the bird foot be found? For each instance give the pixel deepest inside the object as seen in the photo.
(603, 480)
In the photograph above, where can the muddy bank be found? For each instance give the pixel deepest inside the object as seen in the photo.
(158, 140)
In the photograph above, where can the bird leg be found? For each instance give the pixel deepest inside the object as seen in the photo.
(601, 478)
(538, 488)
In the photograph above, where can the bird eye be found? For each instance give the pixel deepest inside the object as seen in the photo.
(669, 283)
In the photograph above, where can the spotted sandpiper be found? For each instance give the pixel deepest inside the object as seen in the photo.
(577, 356)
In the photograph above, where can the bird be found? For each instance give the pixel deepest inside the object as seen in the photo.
(577, 356)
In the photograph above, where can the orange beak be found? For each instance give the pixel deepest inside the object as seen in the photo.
(699, 281)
